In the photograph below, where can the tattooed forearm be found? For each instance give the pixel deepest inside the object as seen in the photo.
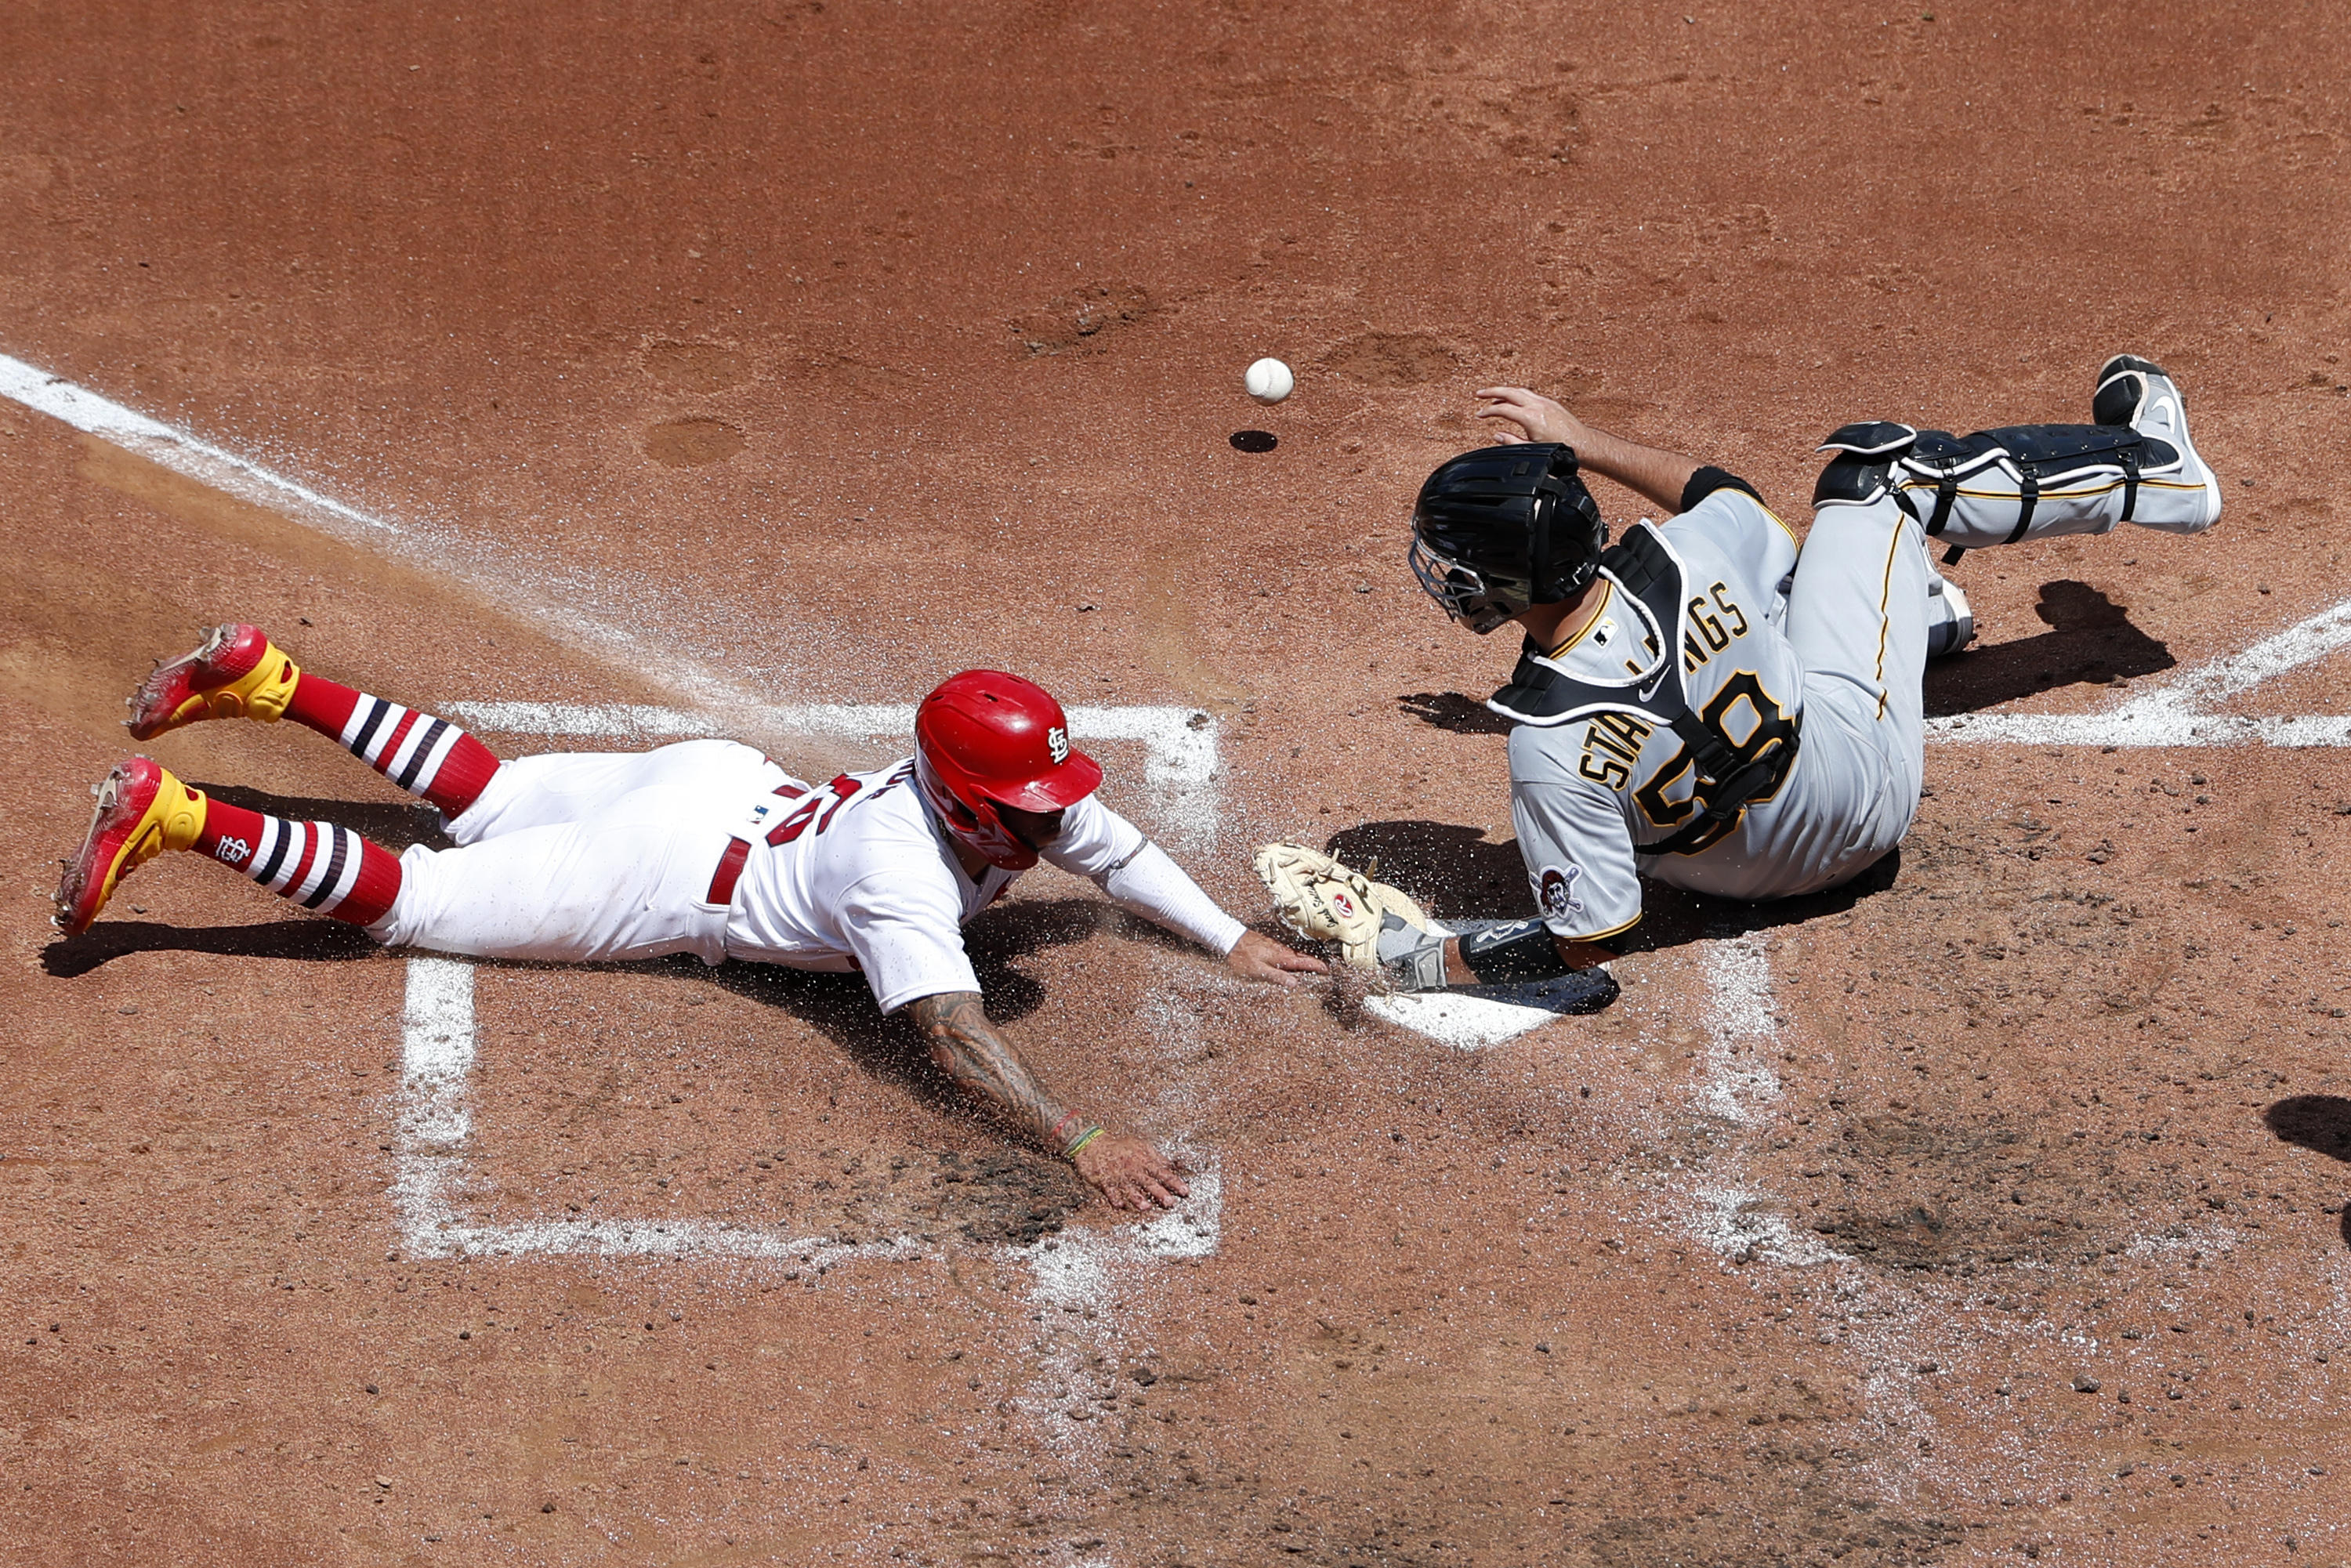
(967, 1049)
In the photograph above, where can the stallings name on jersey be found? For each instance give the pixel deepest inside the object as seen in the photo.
(1613, 741)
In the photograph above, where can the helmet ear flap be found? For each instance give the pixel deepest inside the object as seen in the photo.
(971, 816)
(1569, 530)
(1538, 529)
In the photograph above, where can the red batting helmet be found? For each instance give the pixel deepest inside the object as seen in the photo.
(986, 740)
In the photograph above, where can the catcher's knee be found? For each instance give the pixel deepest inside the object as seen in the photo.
(1861, 472)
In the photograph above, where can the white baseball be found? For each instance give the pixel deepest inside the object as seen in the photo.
(1268, 381)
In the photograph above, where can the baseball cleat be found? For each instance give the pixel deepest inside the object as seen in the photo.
(141, 811)
(234, 673)
(2122, 388)
(2139, 393)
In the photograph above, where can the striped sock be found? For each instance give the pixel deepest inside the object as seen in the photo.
(316, 865)
(426, 756)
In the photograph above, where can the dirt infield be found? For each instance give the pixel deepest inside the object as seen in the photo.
(693, 365)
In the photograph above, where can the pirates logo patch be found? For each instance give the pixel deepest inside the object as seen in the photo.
(1057, 741)
(1555, 890)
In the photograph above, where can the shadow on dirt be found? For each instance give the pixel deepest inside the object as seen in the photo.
(394, 824)
(1455, 871)
(2317, 1121)
(1448, 867)
(1451, 710)
(309, 941)
(1015, 1194)
(842, 1006)
(2090, 642)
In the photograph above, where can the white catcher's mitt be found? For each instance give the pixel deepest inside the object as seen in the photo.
(1377, 927)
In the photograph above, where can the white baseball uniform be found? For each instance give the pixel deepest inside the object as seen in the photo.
(591, 857)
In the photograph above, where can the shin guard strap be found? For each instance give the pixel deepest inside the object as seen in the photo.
(2028, 495)
(1947, 490)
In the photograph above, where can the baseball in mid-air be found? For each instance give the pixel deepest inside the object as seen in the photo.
(1268, 381)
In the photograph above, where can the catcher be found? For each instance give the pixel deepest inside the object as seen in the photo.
(1703, 703)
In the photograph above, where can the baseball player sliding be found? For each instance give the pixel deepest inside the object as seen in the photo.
(1702, 702)
(705, 847)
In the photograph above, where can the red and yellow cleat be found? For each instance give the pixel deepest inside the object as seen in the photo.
(234, 673)
(141, 811)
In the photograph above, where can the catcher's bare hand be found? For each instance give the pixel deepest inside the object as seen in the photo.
(1130, 1173)
(1537, 417)
(1257, 957)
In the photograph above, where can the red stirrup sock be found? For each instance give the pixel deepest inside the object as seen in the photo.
(316, 865)
(427, 756)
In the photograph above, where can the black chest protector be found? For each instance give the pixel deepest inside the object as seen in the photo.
(1731, 775)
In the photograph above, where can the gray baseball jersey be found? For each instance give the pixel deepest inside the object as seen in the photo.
(1599, 802)
(1773, 641)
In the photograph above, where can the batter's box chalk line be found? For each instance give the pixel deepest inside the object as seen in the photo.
(2183, 711)
(434, 1127)
(1179, 743)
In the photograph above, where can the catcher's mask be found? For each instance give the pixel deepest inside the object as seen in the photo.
(1504, 528)
(985, 740)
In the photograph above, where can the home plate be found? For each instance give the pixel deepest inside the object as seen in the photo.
(1466, 1023)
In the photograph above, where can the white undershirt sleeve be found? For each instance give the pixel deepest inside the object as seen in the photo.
(1150, 884)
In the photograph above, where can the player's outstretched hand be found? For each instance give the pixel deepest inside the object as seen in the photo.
(1130, 1173)
(1257, 957)
(1537, 417)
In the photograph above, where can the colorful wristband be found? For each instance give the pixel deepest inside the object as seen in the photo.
(1087, 1136)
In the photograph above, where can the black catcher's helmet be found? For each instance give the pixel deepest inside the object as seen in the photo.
(1500, 528)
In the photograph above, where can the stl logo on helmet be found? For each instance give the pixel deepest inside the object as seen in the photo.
(1057, 741)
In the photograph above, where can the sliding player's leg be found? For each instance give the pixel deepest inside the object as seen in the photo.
(237, 673)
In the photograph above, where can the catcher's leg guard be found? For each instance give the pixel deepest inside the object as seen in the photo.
(2041, 481)
(2037, 481)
